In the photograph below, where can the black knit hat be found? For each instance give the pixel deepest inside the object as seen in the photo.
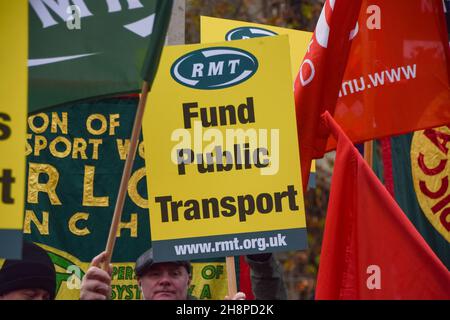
(35, 270)
(146, 261)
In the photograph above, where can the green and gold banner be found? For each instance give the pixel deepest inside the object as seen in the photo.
(75, 157)
(420, 172)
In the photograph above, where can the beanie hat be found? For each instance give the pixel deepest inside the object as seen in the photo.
(35, 270)
(146, 261)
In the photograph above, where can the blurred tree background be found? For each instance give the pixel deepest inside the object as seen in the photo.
(300, 267)
(294, 14)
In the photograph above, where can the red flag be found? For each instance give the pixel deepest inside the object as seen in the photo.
(245, 283)
(370, 249)
(320, 76)
(397, 75)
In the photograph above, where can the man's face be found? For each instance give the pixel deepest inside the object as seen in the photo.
(165, 281)
(26, 294)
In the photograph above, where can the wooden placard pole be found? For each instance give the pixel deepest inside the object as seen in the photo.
(175, 35)
(368, 152)
(126, 175)
(231, 276)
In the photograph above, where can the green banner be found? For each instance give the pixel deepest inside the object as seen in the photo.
(75, 157)
(87, 48)
(405, 169)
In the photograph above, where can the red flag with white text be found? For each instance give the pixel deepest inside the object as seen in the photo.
(320, 76)
(397, 75)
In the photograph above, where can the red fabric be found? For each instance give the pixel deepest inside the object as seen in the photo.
(365, 227)
(245, 283)
(412, 40)
(320, 76)
(388, 175)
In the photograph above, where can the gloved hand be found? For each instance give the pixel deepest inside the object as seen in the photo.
(259, 257)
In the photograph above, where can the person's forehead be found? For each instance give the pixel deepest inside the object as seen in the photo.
(170, 266)
(33, 291)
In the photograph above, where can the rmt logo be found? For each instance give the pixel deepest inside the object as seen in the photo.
(214, 68)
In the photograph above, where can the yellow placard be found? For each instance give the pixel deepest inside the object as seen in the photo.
(216, 29)
(13, 111)
(221, 151)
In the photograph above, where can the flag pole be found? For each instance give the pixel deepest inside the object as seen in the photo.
(126, 174)
(231, 276)
(368, 153)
